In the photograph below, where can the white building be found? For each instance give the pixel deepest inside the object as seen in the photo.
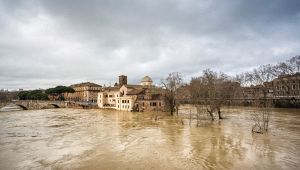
(117, 98)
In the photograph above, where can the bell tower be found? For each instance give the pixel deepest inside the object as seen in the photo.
(122, 80)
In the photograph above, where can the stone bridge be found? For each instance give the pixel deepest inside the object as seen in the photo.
(44, 104)
(38, 104)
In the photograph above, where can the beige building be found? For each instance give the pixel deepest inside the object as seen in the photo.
(286, 86)
(84, 92)
(129, 97)
(253, 92)
(148, 99)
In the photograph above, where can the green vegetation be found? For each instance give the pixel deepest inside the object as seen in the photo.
(44, 95)
(59, 90)
(33, 95)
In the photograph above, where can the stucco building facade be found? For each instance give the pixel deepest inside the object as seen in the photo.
(128, 97)
(286, 86)
(84, 92)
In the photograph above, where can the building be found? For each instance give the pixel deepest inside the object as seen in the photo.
(286, 86)
(84, 92)
(122, 80)
(146, 81)
(283, 87)
(148, 99)
(143, 97)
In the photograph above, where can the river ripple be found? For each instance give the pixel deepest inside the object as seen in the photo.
(103, 139)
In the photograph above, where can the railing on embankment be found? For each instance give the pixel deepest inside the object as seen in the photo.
(282, 102)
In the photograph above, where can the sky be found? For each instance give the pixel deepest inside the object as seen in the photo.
(45, 43)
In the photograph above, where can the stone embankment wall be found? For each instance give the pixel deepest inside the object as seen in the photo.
(81, 105)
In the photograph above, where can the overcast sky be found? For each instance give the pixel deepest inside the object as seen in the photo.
(53, 42)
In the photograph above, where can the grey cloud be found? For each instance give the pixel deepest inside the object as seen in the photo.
(49, 42)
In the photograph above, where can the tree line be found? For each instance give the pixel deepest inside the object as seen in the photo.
(44, 94)
(211, 89)
(266, 73)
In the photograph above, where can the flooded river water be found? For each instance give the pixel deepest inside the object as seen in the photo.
(103, 139)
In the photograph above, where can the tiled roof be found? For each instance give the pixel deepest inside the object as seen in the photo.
(133, 86)
(115, 88)
(86, 84)
(135, 92)
(288, 75)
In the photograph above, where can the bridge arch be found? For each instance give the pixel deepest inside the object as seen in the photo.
(23, 107)
(55, 105)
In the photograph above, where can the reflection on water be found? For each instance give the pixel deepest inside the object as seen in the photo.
(102, 139)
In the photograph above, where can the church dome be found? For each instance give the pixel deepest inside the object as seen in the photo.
(146, 81)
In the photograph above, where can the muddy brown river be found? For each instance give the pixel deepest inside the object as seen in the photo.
(105, 139)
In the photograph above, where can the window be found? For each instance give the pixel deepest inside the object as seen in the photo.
(152, 103)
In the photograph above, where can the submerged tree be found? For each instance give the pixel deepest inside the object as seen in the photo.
(212, 90)
(171, 85)
(261, 118)
(260, 77)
